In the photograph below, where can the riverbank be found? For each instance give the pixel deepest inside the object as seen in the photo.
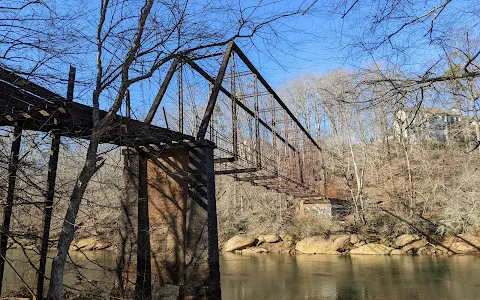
(335, 244)
(354, 244)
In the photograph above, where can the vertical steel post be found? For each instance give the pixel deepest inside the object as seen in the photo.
(274, 136)
(7, 212)
(127, 105)
(286, 148)
(233, 90)
(180, 98)
(143, 284)
(212, 118)
(300, 163)
(51, 179)
(325, 184)
(258, 156)
(165, 117)
(214, 291)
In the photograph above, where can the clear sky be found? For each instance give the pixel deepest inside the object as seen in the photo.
(329, 36)
(416, 35)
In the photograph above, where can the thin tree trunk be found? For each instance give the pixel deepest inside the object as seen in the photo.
(68, 228)
(410, 178)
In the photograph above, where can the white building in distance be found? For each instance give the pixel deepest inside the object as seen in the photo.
(416, 124)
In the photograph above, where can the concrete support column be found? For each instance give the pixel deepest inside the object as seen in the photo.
(183, 219)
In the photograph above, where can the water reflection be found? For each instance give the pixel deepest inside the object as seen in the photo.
(295, 277)
(342, 277)
(88, 271)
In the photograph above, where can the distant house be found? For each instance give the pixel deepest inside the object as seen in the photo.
(415, 124)
(324, 207)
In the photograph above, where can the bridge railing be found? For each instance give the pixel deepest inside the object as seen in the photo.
(258, 137)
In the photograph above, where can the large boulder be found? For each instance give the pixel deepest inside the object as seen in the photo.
(355, 239)
(359, 244)
(84, 244)
(280, 247)
(372, 249)
(253, 250)
(342, 243)
(405, 239)
(288, 238)
(313, 244)
(318, 244)
(90, 243)
(463, 244)
(414, 245)
(466, 243)
(268, 238)
(239, 242)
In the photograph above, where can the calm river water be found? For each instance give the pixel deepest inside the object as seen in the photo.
(306, 277)
(292, 277)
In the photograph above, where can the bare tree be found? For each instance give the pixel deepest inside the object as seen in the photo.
(129, 42)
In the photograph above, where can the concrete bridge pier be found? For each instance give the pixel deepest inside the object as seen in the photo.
(176, 233)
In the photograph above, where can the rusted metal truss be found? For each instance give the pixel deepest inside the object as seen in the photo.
(277, 146)
(263, 140)
(258, 139)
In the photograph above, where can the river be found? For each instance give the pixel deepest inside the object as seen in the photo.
(315, 277)
(307, 277)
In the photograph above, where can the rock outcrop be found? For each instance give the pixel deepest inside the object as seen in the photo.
(239, 242)
(355, 239)
(414, 246)
(372, 249)
(318, 244)
(268, 238)
(405, 239)
(253, 250)
(463, 244)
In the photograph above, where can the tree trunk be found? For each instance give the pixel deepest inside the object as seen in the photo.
(68, 228)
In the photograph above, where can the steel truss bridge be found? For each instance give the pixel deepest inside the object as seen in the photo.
(219, 97)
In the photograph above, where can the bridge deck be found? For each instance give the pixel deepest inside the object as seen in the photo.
(39, 109)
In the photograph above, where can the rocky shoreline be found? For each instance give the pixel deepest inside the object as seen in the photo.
(354, 244)
(335, 244)
(92, 243)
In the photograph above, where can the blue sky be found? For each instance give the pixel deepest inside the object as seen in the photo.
(316, 42)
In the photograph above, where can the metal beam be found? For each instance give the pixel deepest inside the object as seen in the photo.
(234, 108)
(239, 103)
(235, 171)
(258, 156)
(214, 95)
(250, 178)
(161, 92)
(224, 160)
(252, 68)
